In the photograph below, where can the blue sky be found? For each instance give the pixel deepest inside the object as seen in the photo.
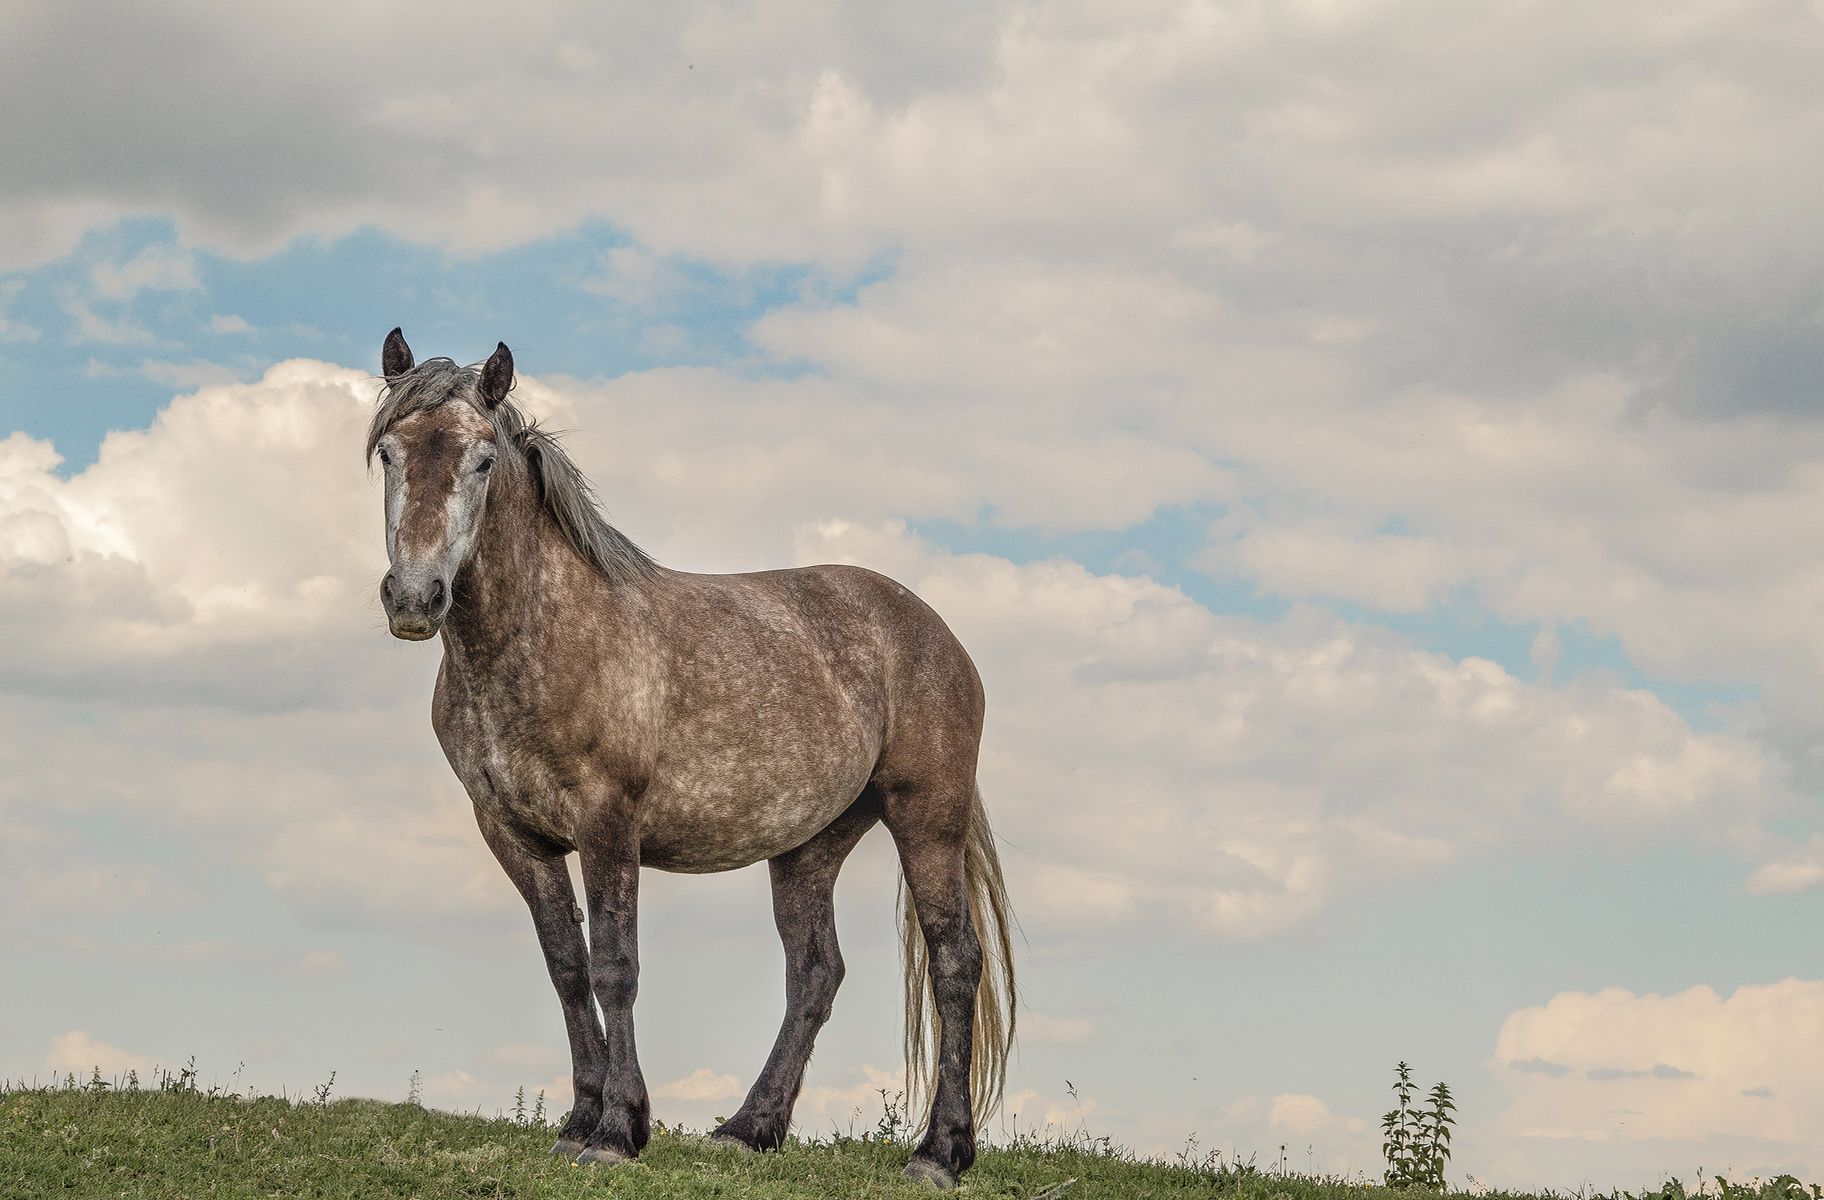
(322, 299)
(1387, 531)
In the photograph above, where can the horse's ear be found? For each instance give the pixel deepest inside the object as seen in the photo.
(497, 377)
(395, 356)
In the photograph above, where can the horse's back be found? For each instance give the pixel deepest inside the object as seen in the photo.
(904, 648)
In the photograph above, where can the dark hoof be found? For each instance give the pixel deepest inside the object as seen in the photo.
(923, 1170)
(567, 1148)
(731, 1143)
(600, 1155)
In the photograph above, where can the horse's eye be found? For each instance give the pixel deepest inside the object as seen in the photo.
(386, 460)
(485, 465)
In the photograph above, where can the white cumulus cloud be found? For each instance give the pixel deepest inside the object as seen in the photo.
(1615, 1066)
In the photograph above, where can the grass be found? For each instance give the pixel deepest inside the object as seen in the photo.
(96, 1140)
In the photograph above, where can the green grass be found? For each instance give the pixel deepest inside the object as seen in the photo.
(99, 1141)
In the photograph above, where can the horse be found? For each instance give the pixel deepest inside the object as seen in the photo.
(592, 701)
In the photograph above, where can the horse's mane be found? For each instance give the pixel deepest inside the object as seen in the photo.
(566, 494)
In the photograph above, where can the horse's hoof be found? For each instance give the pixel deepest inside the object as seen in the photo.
(923, 1170)
(599, 1155)
(731, 1143)
(567, 1148)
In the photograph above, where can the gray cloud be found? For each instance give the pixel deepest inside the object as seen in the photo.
(1657, 1071)
(1647, 212)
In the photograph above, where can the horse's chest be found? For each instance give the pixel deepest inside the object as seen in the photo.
(531, 792)
(519, 781)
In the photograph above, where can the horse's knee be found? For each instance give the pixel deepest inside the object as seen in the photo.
(571, 979)
(616, 982)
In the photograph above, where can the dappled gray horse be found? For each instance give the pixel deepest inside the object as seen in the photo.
(593, 701)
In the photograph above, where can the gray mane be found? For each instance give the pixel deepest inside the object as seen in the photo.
(566, 493)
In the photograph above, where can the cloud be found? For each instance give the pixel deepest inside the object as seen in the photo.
(1657, 1071)
(1797, 873)
(1368, 326)
(701, 1086)
(526, 1056)
(1039, 1029)
(316, 964)
(183, 954)
(1241, 774)
(211, 577)
(1032, 1111)
(188, 374)
(49, 882)
(78, 1053)
(11, 329)
(1688, 1066)
(459, 1090)
(91, 326)
(393, 144)
(1303, 1127)
(788, 136)
(637, 278)
(157, 268)
(1304, 1116)
(228, 323)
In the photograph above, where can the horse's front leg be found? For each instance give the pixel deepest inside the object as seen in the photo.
(609, 848)
(543, 878)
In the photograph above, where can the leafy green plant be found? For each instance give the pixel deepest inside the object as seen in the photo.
(1416, 1138)
(1780, 1187)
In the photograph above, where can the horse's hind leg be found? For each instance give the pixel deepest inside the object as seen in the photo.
(930, 826)
(804, 891)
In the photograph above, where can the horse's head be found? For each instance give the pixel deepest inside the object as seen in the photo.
(437, 442)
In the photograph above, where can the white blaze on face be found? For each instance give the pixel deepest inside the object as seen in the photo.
(392, 463)
(462, 508)
(427, 544)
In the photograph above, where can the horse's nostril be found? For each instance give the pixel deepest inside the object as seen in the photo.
(434, 600)
(386, 588)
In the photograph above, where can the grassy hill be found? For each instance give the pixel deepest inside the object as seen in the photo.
(99, 1141)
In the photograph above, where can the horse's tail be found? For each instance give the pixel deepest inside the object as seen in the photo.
(995, 997)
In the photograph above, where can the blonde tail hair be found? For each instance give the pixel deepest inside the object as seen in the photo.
(995, 997)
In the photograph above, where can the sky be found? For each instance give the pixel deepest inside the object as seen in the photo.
(1373, 452)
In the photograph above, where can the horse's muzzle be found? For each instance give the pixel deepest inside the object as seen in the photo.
(412, 628)
(415, 607)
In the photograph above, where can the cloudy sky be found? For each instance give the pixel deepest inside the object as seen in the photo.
(1373, 451)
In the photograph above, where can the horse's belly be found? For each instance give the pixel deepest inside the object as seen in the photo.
(717, 813)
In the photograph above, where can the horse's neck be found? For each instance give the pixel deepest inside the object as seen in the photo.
(517, 590)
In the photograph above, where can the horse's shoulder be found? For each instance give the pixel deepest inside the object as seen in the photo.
(452, 710)
(444, 707)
